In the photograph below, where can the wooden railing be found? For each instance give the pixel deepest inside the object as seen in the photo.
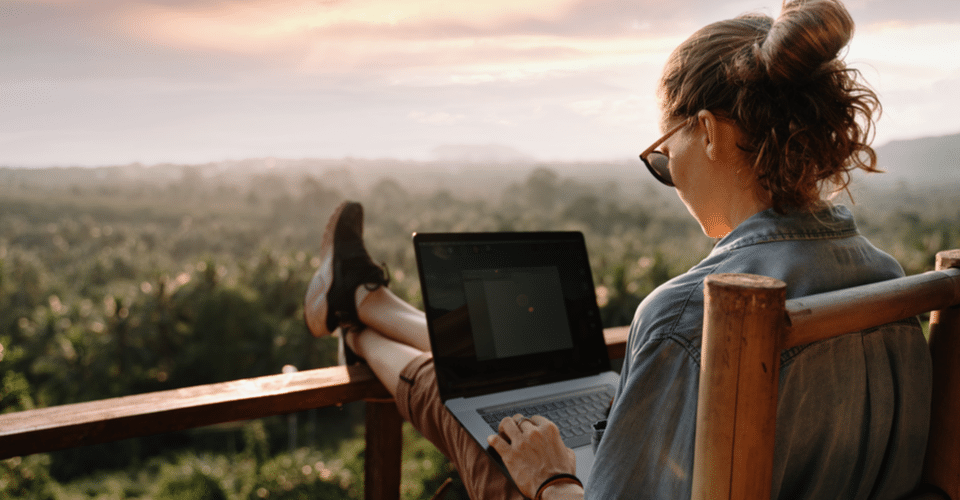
(94, 422)
(747, 322)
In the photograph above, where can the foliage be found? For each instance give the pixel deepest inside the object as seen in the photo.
(197, 486)
(298, 477)
(26, 478)
(121, 281)
(425, 469)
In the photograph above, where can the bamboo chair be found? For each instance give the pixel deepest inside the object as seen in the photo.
(747, 322)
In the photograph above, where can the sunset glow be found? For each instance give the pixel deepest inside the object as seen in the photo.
(117, 81)
(252, 26)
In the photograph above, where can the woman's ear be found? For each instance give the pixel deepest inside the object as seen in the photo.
(711, 134)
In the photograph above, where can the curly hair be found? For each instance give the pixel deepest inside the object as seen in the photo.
(806, 118)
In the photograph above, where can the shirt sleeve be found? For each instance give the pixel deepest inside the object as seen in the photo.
(647, 448)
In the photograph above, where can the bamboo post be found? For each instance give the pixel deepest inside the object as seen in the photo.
(942, 462)
(739, 377)
(382, 455)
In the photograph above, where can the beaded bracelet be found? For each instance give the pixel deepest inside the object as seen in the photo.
(556, 479)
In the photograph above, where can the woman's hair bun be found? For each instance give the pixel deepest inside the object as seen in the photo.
(808, 35)
(806, 119)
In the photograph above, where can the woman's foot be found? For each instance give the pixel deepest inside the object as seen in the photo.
(345, 265)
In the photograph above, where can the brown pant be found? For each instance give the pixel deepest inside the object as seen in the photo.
(418, 402)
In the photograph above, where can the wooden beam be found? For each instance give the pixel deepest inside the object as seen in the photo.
(728, 466)
(382, 458)
(825, 315)
(942, 462)
(616, 339)
(739, 377)
(81, 424)
(94, 422)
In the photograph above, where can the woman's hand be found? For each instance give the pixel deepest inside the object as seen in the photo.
(532, 450)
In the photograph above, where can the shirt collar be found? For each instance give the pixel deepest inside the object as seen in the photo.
(830, 221)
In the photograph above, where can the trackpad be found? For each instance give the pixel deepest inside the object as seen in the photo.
(584, 462)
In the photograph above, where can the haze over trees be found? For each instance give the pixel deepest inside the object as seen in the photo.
(130, 279)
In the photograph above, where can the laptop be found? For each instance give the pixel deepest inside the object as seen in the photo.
(515, 328)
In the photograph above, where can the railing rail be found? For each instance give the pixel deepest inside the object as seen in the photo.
(738, 307)
(94, 422)
(747, 322)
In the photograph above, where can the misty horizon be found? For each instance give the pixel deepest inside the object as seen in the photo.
(116, 82)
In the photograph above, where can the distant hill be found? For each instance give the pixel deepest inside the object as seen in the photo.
(465, 169)
(927, 160)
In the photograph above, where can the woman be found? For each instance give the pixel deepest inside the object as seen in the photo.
(761, 119)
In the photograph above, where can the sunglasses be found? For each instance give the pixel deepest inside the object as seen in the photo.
(657, 162)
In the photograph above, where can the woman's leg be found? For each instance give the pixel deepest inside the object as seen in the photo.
(395, 334)
(409, 375)
(395, 344)
(385, 356)
(383, 311)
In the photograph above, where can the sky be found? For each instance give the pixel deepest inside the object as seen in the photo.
(113, 82)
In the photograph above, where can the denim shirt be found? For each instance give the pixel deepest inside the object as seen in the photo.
(853, 410)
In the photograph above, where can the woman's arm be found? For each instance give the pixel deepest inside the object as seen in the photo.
(533, 452)
(563, 492)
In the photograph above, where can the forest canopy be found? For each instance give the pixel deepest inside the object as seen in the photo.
(124, 280)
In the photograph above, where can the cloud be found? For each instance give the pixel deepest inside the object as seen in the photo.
(381, 35)
(866, 12)
(629, 110)
(915, 50)
(200, 79)
(436, 117)
(905, 63)
(260, 25)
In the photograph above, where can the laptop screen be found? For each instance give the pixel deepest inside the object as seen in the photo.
(508, 310)
(516, 311)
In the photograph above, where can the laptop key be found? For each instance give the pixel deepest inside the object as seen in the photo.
(574, 414)
(577, 441)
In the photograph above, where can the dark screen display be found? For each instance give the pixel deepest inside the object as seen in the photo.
(509, 309)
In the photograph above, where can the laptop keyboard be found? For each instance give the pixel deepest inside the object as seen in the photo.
(574, 413)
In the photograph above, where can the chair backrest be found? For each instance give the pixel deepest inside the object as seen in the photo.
(747, 322)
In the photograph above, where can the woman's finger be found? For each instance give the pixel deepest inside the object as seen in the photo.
(540, 420)
(546, 426)
(521, 420)
(509, 429)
